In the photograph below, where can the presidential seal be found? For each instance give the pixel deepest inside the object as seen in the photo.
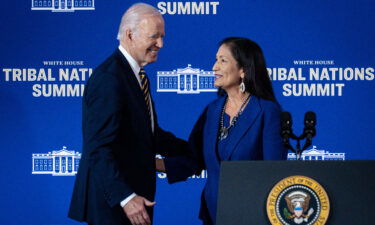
(298, 200)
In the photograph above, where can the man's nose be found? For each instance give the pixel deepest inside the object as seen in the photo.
(159, 42)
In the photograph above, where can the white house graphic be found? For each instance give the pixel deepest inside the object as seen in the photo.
(58, 163)
(315, 154)
(62, 5)
(186, 81)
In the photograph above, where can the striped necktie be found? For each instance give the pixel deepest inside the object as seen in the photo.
(145, 88)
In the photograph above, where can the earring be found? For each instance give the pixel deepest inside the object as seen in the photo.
(242, 86)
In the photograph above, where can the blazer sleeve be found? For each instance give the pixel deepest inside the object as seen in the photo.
(179, 168)
(104, 104)
(273, 148)
(168, 145)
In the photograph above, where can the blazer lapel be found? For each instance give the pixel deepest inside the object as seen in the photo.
(243, 124)
(213, 120)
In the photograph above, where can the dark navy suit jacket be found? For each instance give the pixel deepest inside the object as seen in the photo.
(255, 136)
(119, 146)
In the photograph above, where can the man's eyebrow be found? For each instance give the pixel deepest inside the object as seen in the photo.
(157, 34)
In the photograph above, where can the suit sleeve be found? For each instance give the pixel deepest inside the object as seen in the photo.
(104, 104)
(273, 148)
(179, 168)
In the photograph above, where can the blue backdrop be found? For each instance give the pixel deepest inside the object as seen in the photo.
(320, 55)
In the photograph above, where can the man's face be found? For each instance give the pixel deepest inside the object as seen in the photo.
(147, 40)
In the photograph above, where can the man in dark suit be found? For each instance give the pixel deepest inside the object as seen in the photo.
(116, 180)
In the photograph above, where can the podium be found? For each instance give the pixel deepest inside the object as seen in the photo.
(245, 187)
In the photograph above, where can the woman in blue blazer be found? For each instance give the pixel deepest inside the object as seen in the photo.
(242, 124)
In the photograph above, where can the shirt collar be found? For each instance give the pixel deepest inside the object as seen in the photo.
(133, 64)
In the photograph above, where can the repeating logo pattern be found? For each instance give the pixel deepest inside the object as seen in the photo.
(56, 163)
(62, 5)
(186, 80)
(316, 154)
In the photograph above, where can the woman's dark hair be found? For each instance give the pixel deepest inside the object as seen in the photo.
(249, 56)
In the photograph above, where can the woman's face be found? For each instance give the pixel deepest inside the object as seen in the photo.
(227, 73)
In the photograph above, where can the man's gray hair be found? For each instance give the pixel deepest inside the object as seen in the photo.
(134, 15)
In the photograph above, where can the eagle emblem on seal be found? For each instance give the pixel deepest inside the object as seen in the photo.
(298, 207)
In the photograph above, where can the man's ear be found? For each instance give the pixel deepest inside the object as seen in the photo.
(129, 34)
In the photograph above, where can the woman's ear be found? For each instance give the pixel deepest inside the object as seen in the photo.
(242, 73)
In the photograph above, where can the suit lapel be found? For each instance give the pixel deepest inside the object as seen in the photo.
(130, 77)
(243, 124)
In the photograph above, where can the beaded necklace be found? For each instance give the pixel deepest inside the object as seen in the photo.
(225, 130)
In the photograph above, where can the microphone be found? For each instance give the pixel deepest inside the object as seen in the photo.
(310, 122)
(309, 131)
(286, 125)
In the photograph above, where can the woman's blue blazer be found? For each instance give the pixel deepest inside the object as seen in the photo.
(255, 136)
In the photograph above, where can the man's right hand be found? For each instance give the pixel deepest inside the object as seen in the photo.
(136, 212)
